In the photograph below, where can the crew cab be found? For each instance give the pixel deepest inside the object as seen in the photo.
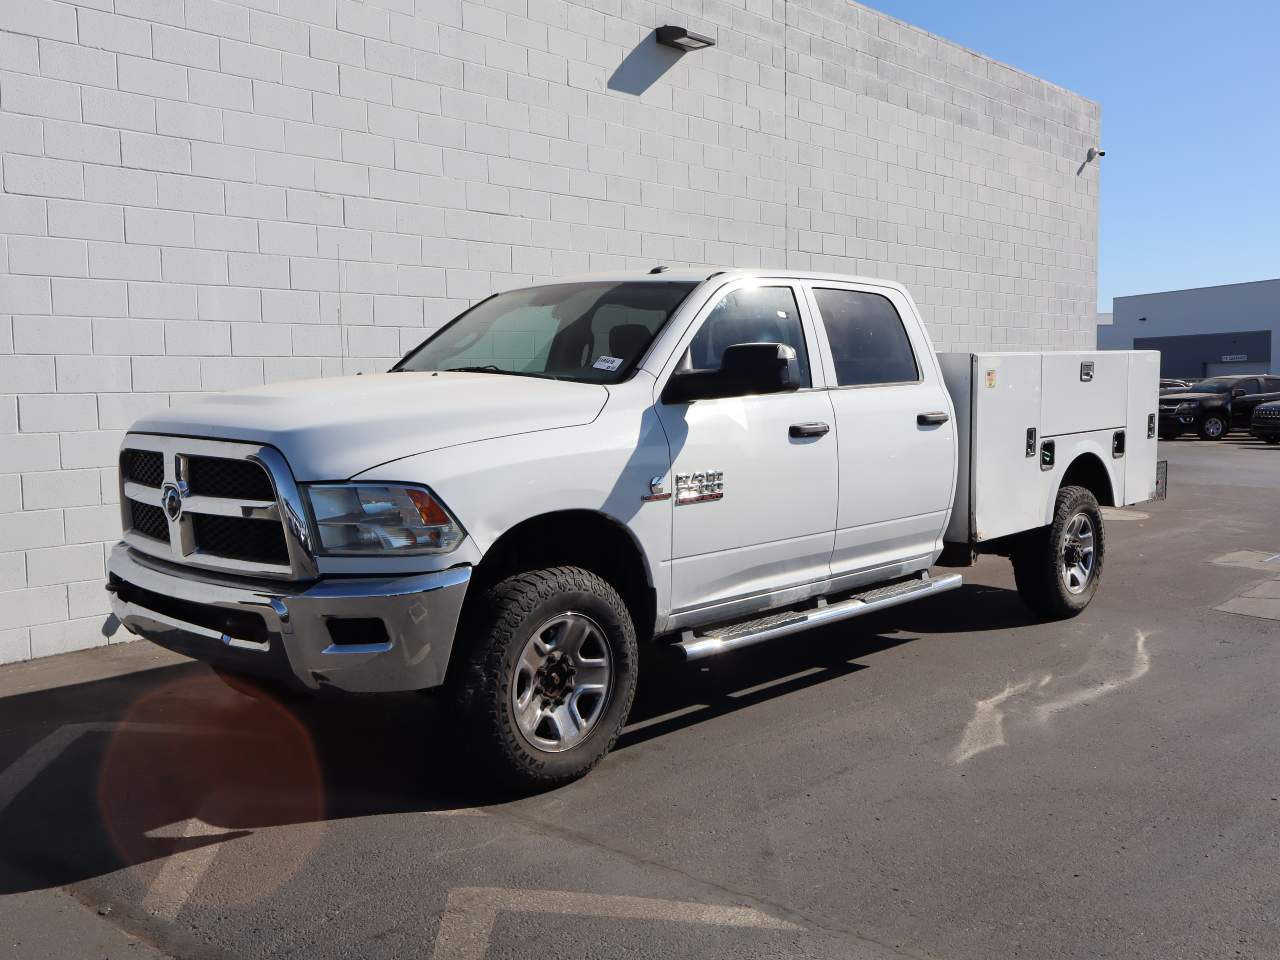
(1215, 406)
(704, 459)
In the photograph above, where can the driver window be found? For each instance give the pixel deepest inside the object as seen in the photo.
(750, 315)
(1249, 386)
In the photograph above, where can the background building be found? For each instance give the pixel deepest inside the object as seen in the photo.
(1201, 332)
(207, 194)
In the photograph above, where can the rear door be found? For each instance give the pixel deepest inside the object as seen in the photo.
(753, 477)
(894, 427)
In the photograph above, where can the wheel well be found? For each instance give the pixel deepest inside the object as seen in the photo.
(580, 538)
(1089, 472)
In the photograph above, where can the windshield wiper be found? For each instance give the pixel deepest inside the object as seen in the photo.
(491, 368)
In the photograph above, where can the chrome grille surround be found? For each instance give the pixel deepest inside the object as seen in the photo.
(286, 509)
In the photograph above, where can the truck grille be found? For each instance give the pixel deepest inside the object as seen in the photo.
(149, 521)
(260, 541)
(239, 479)
(213, 504)
(143, 466)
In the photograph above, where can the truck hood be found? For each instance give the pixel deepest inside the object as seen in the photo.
(335, 428)
(1182, 397)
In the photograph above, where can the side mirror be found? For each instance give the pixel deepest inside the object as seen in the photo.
(1238, 392)
(746, 369)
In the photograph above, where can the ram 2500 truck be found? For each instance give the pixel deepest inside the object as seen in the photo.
(710, 459)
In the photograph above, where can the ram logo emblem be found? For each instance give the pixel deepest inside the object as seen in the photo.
(171, 501)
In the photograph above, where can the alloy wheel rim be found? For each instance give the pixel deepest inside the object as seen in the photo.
(562, 682)
(1079, 554)
(1213, 427)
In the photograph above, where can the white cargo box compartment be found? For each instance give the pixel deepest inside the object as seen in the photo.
(1008, 404)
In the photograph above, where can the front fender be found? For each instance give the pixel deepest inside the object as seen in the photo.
(605, 466)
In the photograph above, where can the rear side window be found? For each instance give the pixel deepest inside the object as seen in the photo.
(1249, 386)
(1271, 385)
(868, 341)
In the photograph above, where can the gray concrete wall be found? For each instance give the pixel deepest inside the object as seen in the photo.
(1238, 320)
(206, 194)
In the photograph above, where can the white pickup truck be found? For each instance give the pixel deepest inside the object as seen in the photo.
(710, 459)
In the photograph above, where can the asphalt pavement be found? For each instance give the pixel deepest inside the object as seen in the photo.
(949, 779)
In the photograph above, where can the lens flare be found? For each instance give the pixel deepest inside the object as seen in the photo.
(213, 767)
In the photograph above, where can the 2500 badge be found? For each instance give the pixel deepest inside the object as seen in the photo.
(699, 487)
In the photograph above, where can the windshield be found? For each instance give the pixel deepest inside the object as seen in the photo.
(1212, 385)
(590, 332)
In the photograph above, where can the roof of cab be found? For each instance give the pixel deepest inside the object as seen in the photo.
(702, 274)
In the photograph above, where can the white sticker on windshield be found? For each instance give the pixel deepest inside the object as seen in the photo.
(608, 363)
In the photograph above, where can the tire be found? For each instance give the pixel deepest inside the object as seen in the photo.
(1213, 427)
(1271, 439)
(520, 720)
(1049, 583)
(1170, 434)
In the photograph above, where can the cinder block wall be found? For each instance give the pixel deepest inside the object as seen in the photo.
(207, 194)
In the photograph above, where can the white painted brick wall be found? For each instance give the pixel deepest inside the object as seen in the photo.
(206, 194)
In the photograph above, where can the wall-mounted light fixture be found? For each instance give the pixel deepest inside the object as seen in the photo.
(681, 39)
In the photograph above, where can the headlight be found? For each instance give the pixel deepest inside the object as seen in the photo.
(1189, 407)
(368, 518)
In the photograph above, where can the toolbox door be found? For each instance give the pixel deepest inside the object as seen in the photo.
(1007, 488)
(1084, 392)
(1140, 449)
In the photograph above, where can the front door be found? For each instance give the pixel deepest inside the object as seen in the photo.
(893, 419)
(1242, 406)
(755, 499)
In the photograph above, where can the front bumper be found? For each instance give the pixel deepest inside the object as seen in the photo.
(1171, 421)
(1265, 429)
(301, 634)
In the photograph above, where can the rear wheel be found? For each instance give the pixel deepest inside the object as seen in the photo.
(547, 676)
(1213, 427)
(1168, 433)
(1057, 568)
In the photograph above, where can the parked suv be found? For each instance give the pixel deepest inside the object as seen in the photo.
(1215, 406)
(1266, 422)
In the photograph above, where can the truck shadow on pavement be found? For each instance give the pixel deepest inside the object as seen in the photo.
(99, 776)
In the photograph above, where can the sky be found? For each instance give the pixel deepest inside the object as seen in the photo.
(1190, 94)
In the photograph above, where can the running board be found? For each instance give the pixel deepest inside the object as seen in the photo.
(697, 646)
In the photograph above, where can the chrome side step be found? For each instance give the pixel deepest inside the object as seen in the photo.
(696, 646)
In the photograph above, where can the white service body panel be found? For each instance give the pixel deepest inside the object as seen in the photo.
(1025, 419)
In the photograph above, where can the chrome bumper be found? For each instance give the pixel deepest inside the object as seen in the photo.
(216, 619)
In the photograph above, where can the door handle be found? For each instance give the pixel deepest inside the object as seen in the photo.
(799, 430)
(931, 419)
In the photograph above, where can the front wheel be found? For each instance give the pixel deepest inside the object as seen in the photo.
(1057, 568)
(1271, 439)
(1213, 427)
(546, 676)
